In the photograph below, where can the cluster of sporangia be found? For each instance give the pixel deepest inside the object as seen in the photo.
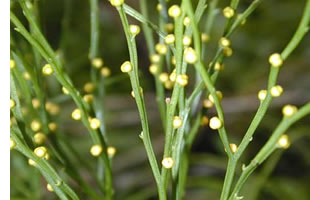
(190, 57)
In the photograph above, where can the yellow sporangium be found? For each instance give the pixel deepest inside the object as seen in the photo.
(190, 55)
(96, 150)
(35, 103)
(233, 147)
(47, 70)
(187, 40)
(168, 84)
(12, 103)
(97, 62)
(111, 151)
(88, 98)
(284, 142)
(35, 125)
(116, 3)
(94, 123)
(275, 60)
(39, 138)
(218, 66)
(161, 48)
(204, 121)
(159, 7)
(32, 163)
(105, 72)
(167, 163)
(155, 58)
(12, 64)
(173, 75)
(227, 51)
(219, 95)
(40, 151)
(276, 91)
(126, 67)
(49, 188)
(289, 110)
(76, 114)
(207, 103)
(177, 122)
(174, 11)
(12, 144)
(215, 123)
(52, 126)
(163, 77)
(205, 37)
(169, 39)
(64, 90)
(224, 42)
(169, 27)
(153, 69)
(26, 76)
(89, 87)
(134, 29)
(228, 12)
(186, 21)
(182, 79)
(262, 95)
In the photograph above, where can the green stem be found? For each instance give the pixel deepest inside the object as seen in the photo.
(140, 103)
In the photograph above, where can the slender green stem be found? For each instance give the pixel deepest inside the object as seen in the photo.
(94, 29)
(269, 147)
(140, 103)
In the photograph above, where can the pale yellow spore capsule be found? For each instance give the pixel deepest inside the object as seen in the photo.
(155, 58)
(186, 21)
(52, 126)
(233, 147)
(36, 103)
(218, 66)
(227, 51)
(173, 60)
(105, 72)
(49, 188)
(134, 29)
(167, 163)
(168, 84)
(40, 151)
(174, 11)
(161, 48)
(262, 94)
(39, 138)
(12, 103)
(133, 93)
(173, 76)
(224, 42)
(64, 90)
(205, 37)
(89, 87)
(94, 123)
(204, 121)
(207, 103)
(215, 123)
(47, 156)
(289, 110)
(26, 76)
(126, 67)
(32, 163)
(169, 27)
(153, 69)
(228, 12)
(177, 122)
(96, 150)
(159, 7)
(275, 60)
(182, 79)
(284, 142)
(187, 40)
(12, 144)
(190, 55)
(47, 70)
(116, 3)
(276, 91)
(12, 64)
(35, 125)
(52, 108)
(170, 39)
(219, 95)
(163, 77)
(97, 62)
(76, 114)
(111, 151)
(88, 98)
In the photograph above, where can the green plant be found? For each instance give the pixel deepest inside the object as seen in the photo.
(181, 114)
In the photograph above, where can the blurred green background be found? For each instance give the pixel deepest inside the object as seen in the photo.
(285, 176)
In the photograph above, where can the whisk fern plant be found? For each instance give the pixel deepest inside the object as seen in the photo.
(182, 98)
